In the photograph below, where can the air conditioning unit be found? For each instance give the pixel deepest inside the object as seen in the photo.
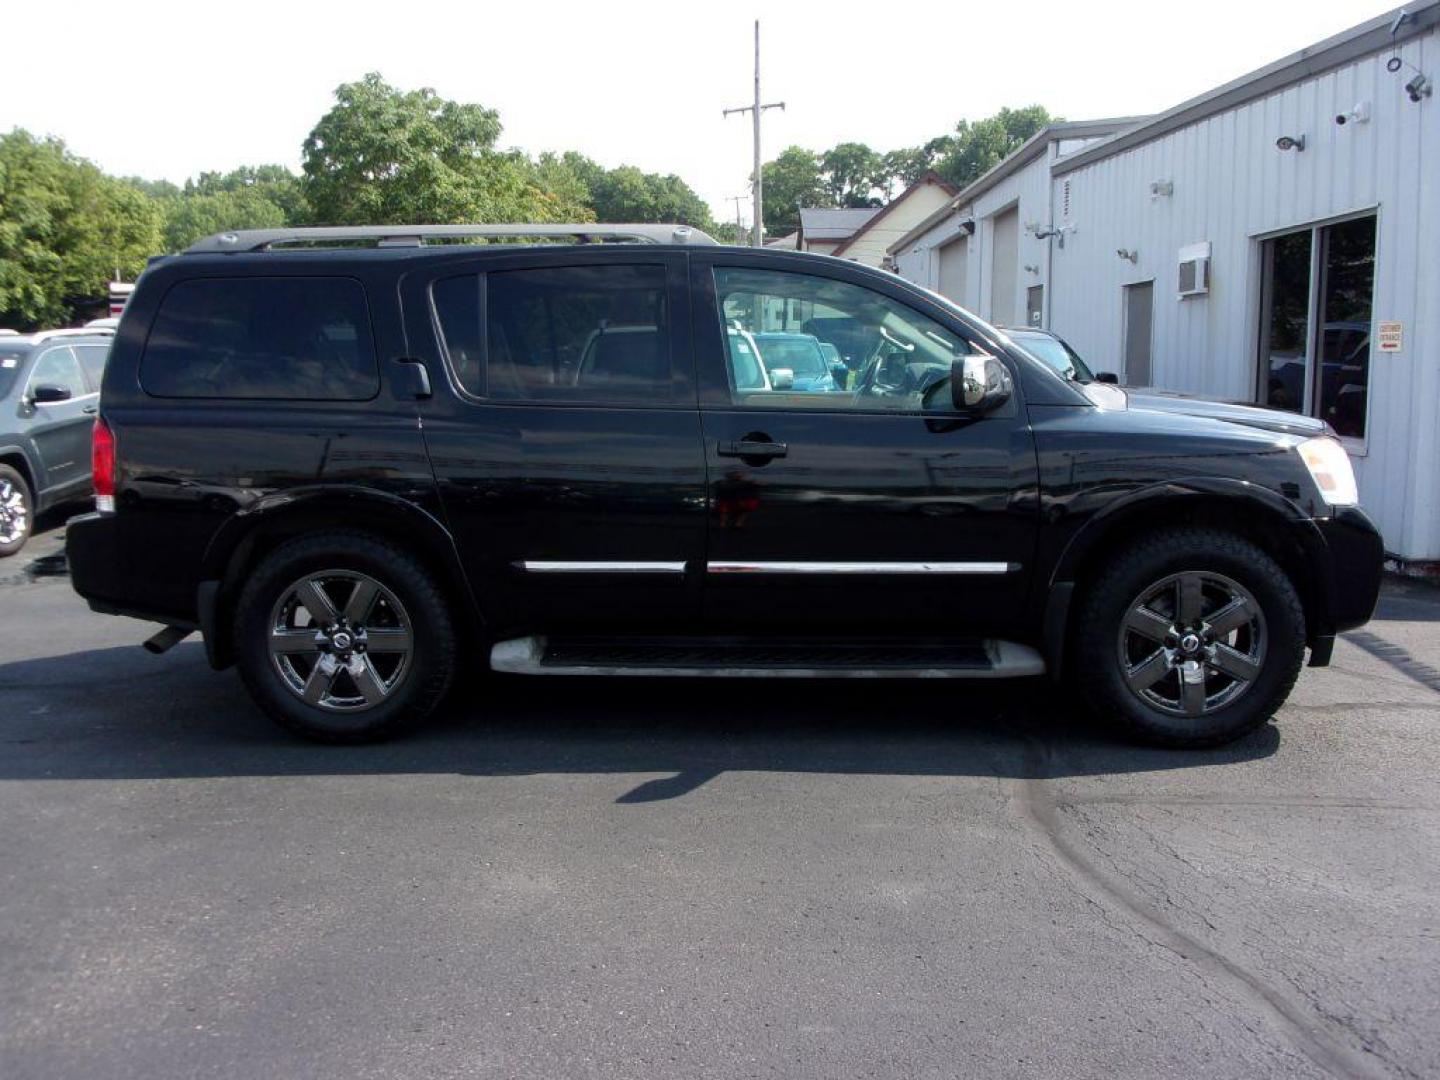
(1194, 277)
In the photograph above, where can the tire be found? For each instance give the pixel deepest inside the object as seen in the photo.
(1187, 684)
(17, 511)
(378, 659)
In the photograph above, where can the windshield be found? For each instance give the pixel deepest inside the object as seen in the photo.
(799, 355)
(1055, 353)
(10, 361)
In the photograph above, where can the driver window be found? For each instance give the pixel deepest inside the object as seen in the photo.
(795, 341)
(58, 367)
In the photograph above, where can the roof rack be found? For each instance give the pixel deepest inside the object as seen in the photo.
(420, 235)
(74, 331)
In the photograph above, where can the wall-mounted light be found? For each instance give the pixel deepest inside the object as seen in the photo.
(1162, 189)
(1031, 269)
(1290, 142)
(1127, 254)
(966, 226)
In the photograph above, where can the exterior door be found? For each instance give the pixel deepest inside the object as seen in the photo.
(1004, 266)
(564, 436)
(1139, 314)
(61, 429)
(954, 266)
(865, 512)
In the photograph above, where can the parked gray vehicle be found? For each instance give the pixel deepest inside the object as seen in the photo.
(49, 395)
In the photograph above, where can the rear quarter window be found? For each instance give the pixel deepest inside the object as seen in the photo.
(271, 338)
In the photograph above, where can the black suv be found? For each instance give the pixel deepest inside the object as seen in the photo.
(358, 469)
(49, 395)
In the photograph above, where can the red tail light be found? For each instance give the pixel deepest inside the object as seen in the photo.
(102, 465)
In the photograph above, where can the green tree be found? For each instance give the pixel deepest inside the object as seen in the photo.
(976, 148)
(626, 194)
(65, 230)
(193, 216)
(851, 171)
(792, 180)
(388, 156)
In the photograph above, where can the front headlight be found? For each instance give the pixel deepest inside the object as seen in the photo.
(1330, 468)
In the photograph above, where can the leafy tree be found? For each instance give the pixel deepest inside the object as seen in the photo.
(388, 156)
(626, 194)
(65, 230)
(792, 180)
(193, 216)
(976, 148)
(851, 170)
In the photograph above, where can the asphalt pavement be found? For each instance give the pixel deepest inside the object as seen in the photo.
(667, 879)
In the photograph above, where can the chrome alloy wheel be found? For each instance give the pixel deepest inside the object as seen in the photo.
(340, 640)
(14, 515)
(1192, 643)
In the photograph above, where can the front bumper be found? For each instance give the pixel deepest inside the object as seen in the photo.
(1348, 562)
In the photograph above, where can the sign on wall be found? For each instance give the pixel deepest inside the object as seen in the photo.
(1391, 336)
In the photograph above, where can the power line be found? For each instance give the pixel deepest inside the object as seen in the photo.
(756, 182)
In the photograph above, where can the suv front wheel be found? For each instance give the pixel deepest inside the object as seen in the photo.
(1192, 637)
(344, 637)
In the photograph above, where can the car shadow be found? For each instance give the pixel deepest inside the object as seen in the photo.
(119, 713)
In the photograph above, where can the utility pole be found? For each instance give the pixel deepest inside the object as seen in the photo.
(755, 110)
(739, 228)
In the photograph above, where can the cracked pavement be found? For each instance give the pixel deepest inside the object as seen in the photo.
(635, 879)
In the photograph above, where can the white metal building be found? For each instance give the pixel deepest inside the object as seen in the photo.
(1276, 239)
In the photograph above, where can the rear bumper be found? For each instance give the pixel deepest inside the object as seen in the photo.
(97, 573)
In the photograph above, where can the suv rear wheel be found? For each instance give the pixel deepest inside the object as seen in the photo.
(1192, 637)
(343, 637)
(17, 511)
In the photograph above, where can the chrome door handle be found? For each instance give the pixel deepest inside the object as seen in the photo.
(90, 410)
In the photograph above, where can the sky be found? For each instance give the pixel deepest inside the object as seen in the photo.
(165, 90)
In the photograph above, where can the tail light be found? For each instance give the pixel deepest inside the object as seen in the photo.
(102, 465)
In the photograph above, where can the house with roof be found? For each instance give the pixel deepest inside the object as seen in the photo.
(862, 234)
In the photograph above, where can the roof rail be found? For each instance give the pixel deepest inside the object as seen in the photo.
(74, 331)
(419, 235)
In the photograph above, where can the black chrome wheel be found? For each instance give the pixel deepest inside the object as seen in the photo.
(1192, 643)
(340, 640)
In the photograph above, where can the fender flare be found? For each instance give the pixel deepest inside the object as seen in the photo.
(232, 548)
(1316, 589)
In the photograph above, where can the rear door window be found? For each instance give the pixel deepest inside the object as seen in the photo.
(92, 359)
(594, 334)
(303, 338)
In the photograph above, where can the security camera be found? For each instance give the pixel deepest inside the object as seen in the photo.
(1360, 114)
(1418, 88)
(1290, 142)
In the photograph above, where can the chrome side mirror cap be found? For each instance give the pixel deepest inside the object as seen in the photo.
(979, 384)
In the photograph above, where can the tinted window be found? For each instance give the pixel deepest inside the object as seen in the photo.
(92, 359)
(302, 338)
(10, 361)
(58, 367)
(573, 333)
(893, 357)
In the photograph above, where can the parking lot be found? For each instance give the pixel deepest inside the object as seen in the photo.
(636, 879)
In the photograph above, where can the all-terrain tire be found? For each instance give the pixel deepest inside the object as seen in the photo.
(418, 604)
(1107, 600)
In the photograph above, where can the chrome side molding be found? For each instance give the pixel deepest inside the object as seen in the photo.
(597, 566)
(861, 567)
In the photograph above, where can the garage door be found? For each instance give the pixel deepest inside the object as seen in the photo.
(954, 258)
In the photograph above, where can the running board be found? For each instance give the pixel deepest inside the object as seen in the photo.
(688, 657)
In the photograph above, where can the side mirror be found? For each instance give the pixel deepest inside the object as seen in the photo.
(782, 378)
(1107, 377)
(979, 384)
(839, 372)
(48, 394)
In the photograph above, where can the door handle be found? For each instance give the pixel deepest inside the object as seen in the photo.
(753, 448)
(90, 410)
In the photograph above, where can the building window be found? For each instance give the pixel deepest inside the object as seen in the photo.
(1316, 301)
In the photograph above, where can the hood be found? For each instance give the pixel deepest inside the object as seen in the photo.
(1256, 416)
